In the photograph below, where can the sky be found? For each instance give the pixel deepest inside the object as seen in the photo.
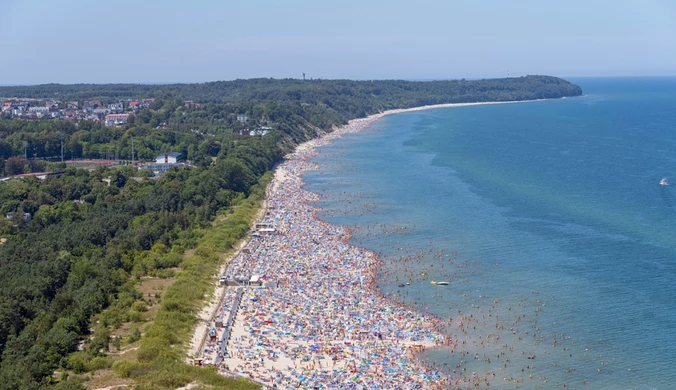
(153, 41)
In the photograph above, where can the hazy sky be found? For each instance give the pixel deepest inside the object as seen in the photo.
(71, 41)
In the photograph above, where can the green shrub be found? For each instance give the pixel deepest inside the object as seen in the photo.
(151, 348)
(99, 363)
(164, 273)
(117, 343)
(127, 369)
(70, 384)
(78, 362)
(139, 306)
(135, 335)
(134, 316)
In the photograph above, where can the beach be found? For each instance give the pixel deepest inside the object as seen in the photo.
(305, 310)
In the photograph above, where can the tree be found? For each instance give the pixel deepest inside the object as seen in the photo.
(14, 166)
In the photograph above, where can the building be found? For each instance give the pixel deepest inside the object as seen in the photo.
(39, 175)
(52, 105)
(116, 107)
(39, 110)
(242, 118)
(158, 169)
(164, 162)
(92, 104)
(26, 216)
(169, 158)
(145, 103)
(116, 119)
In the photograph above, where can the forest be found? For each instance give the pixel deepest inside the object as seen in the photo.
(89, 240)
(346, 98)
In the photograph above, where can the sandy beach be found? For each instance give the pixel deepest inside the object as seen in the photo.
(319, 321)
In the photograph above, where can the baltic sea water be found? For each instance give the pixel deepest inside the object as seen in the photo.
(547, 220)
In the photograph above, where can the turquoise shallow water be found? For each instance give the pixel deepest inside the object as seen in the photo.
(546, 219)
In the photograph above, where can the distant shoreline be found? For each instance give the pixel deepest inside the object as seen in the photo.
(451, 105)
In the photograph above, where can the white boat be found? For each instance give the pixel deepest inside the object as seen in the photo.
(664, 182)
(442, 283)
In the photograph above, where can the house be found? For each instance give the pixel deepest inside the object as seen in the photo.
(90, 105)
(116, 107)
(158, 169)
(26, 216)
(116, 119)
(169, 158)
(101, 111)
(69, 114)
(242, 118)
(52, 105)
(258, 132)
(39, 111)
(145, 103)
(133, 104)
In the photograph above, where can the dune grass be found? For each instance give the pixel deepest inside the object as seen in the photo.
(160, 362)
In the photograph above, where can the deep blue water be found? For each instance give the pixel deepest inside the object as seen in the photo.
(547, 220)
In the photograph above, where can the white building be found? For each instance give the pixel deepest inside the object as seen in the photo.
(169, 158)
(116, 107)
(116, 119)
(39, 110)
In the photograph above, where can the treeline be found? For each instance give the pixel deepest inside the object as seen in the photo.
(348, 98)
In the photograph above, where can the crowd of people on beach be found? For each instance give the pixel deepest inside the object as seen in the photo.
(325, 325)
(307, 310)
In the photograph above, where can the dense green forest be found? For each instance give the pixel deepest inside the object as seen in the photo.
(304, 90)
(346, 98)
(88, 242)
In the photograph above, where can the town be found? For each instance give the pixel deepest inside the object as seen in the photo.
(117, 113)
(112, 114)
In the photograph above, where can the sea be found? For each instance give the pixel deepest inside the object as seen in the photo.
(546, 219)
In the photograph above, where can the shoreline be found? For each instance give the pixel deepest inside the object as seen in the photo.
(250, 331)
(444, 105)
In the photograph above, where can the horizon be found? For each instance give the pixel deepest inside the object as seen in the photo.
(435, 39)
(567, 78)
